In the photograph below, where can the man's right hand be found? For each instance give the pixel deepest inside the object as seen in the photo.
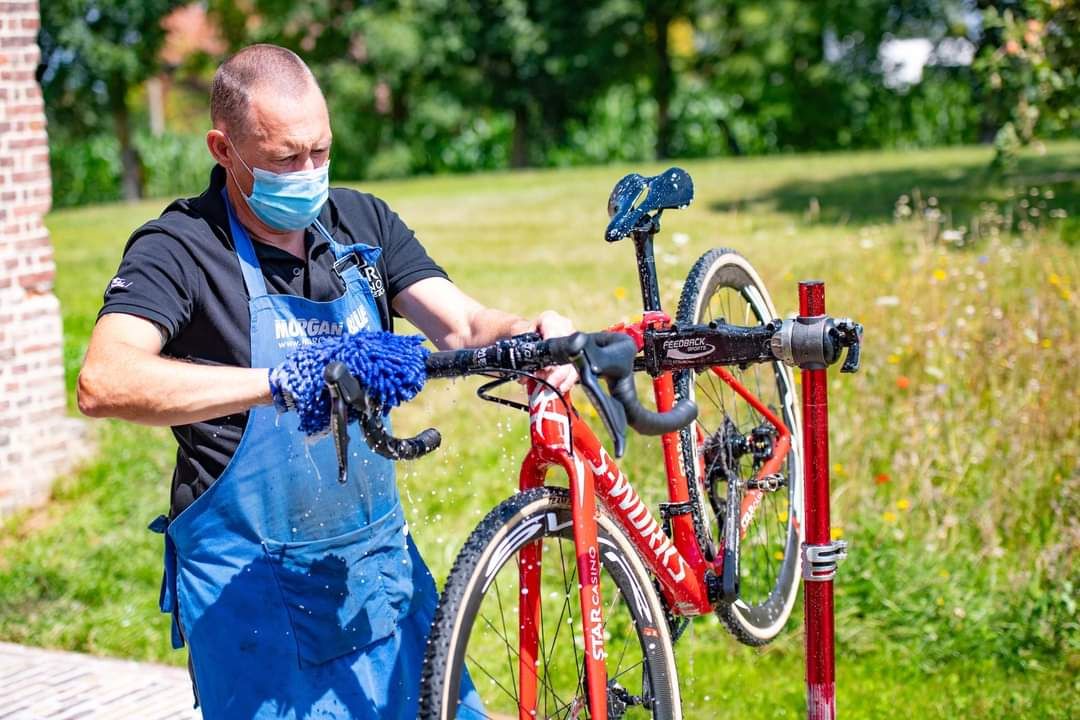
(124, 376)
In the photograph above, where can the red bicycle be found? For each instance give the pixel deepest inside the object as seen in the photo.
(566, 602)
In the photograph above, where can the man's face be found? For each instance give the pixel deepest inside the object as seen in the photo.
(283, 134)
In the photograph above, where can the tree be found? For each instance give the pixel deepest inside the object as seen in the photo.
(808, 74)
(538, 62)
(93, 52)
(545, 62)
(659, 16)
(1032, 64)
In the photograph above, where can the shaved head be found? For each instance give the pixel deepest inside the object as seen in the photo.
(254, 69)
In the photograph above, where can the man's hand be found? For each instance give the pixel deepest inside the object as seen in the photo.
(551, 324)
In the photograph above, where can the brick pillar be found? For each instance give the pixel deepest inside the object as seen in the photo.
(34, 429)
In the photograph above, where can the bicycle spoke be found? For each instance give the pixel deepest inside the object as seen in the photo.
(566, 611)
(474, 663)
(515, 654)
(632, 667)
(505, 635)
(626, 641)
(579, 658)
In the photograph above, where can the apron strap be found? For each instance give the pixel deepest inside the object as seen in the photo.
(348, 262)
(245, 250)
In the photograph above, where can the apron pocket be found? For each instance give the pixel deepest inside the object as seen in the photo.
(344, 592)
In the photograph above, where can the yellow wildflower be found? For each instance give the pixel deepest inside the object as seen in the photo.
(889, 516)
(836, 533)
(620, 293)
(903, 504)
(939, 274)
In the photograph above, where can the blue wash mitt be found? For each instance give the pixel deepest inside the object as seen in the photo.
(389, 367)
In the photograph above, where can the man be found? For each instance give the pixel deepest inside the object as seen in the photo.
(298, 596)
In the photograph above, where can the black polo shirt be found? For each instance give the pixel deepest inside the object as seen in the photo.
(181, 271)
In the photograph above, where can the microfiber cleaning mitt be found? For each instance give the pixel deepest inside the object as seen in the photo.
(389, 367)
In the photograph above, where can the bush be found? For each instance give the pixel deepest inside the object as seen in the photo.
(84, 170)
(173, 165)
(620, 128)
(445, 136)
(392, 162)
(88, 170)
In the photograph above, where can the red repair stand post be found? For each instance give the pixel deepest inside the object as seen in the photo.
(820, 553)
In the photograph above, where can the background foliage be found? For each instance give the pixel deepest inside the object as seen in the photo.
(433, 86)
(954, 449)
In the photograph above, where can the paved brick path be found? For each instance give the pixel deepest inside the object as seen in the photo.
(38, 684)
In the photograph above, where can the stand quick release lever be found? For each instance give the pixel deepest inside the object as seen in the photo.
(815, 342)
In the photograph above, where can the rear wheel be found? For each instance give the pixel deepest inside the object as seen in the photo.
(730, 441)
(476, 627)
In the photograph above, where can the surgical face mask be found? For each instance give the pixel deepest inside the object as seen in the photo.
(287, 201)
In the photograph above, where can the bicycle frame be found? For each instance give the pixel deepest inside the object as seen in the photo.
(688, 581)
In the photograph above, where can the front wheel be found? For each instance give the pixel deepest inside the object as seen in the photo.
(481, 622)
(730, 441)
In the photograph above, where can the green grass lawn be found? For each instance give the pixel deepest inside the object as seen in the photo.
(955, 450)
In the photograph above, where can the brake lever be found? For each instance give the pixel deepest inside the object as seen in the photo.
(344, 390)
(339, 429)
(611, 412)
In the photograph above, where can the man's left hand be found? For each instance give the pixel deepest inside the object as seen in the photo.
(551, 324)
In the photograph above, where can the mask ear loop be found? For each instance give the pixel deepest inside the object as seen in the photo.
(246, 167)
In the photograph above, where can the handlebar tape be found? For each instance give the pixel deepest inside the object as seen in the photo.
(526, 352)
(648, 422)
(394, 448)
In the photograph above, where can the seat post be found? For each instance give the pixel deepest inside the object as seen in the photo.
(646, 263)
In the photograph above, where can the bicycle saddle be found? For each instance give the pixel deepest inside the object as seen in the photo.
(636, 196)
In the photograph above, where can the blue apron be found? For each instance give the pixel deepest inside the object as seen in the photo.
(300, 597)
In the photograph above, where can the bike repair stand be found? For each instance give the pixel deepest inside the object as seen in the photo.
(820, 552)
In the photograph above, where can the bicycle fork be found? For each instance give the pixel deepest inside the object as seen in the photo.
(586, 542)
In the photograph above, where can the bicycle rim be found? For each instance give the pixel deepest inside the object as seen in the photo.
(730, 438)
(478, 620)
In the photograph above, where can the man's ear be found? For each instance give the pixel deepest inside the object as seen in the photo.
(219, 148)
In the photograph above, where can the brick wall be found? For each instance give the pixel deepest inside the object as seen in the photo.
(35, 433)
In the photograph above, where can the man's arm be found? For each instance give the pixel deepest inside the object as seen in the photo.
(452, 319)
(125, 376)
